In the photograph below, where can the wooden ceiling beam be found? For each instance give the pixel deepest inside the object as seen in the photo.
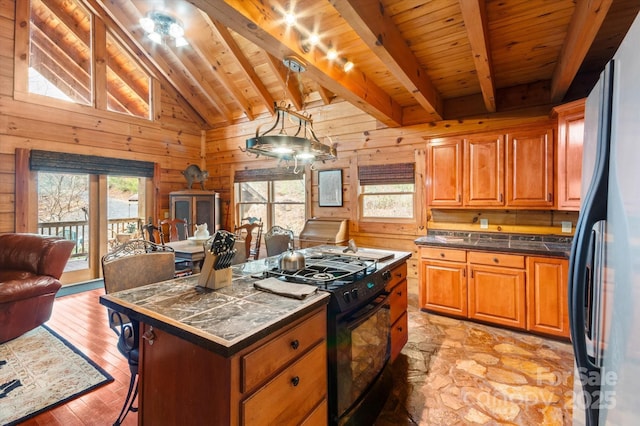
(377, 30)
(290, 87)
(198, 44)
(115, 17)
(585, 24)
(262, 25)
(474, 15)
(325, 94)
(227, 40)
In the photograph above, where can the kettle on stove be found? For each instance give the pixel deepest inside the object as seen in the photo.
(291, 260)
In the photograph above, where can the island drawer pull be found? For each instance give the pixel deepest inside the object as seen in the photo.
(295, 381)
(295, 344)
(150, 336)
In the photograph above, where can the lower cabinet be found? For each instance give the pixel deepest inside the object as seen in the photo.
(547, 296)
(281, 379)
(522, 292)
(398, 302)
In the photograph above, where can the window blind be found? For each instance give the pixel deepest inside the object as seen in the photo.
(381, 174)
(261, 175)
(61, 162)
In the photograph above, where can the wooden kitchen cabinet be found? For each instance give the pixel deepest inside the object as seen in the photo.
(529, 169)
(443, 281)
(196, 207)
(444, 171)
(280, 379)
(569, 154)
(547, 300)
(483, 180)
(398, 302)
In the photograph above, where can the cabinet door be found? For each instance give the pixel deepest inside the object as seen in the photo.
(443, 287)
(497, 295)
(547, 295)
(444, 171)
(530, 169)
(204, 211)
(570, 139)
(484, 171)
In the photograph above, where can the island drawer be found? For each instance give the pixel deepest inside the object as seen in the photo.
(497, 259)
(443, 254)
(397, 274)
(292, 395)
(262, 362)
(398, 300)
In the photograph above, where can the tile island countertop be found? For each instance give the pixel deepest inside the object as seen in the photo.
(541, 245)
(224, 320)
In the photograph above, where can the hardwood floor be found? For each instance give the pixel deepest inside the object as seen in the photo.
(82, 320)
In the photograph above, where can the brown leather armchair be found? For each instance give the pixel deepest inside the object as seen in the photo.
(30, 267)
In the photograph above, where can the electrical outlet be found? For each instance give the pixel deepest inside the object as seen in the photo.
(484, 223)
(566, 226)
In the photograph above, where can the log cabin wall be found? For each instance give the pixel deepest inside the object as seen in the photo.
(363, 140)
(172, 142)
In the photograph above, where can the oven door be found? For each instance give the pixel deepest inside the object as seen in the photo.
(363, 349)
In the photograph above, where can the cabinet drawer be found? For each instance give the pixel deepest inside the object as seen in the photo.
(259, 364)
(292, 395)
(443, 254)
(398, 300)
(399, 335)
(397, 274)
(496, 259)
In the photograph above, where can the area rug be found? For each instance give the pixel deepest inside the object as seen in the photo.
(40, 370)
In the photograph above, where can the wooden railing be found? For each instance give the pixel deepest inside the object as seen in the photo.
(78, 231)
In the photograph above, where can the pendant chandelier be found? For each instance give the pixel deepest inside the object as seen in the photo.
(302, 146)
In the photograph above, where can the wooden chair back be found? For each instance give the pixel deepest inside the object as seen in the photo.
(252, 240)
(177, 230)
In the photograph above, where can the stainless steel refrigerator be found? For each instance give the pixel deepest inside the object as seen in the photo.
(604, 272)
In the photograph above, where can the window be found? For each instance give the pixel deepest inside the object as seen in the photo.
(74, 60)
(387, 191)
(274, 195)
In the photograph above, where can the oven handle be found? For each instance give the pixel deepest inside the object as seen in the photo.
(361, 315)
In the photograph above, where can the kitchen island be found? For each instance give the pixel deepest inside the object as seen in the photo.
(235, 355)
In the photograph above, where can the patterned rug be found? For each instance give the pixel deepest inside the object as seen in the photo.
(40, 370)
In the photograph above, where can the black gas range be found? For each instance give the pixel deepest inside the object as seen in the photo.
(358, 332)
(352, 281)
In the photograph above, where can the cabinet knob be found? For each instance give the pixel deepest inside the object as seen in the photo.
(149, 336)
(399, 293)
(295, 344)
(295, 381)
(441, 254)
(496, 260)
(399, 328)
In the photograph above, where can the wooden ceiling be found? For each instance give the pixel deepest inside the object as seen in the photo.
(416, 61)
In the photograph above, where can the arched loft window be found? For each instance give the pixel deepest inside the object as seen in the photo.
(72, 59)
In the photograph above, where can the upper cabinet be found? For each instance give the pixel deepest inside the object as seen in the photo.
(512, 170)
(530, 169)
(569, 153)
(444, 183)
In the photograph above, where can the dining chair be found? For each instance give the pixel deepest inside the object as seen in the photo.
(151, 232)
(251, 233)
(133, 264)
(177, 230)
(277, 240)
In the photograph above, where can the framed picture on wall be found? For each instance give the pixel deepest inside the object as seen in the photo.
(330, 188)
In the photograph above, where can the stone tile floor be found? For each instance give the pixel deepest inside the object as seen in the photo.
(454, 372)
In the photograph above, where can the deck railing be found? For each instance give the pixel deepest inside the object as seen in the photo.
(78, 231)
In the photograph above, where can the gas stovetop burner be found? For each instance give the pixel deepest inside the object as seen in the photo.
(328, 270)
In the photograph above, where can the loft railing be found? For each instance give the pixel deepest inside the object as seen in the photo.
(78, 231)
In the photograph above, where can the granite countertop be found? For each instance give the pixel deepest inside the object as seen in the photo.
(224, 320)
(542, 245)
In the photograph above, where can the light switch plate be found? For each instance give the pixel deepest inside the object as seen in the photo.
(566, 226)
(484, 223)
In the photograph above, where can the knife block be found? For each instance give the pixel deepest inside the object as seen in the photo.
(213, 278)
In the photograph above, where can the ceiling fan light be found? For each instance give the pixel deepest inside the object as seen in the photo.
(147, 24)
(290, 19)
(314, 39)
(348, 66)
(332, 54)
(305, 156)
(181, 42)
(176, 31)
(155, 37)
